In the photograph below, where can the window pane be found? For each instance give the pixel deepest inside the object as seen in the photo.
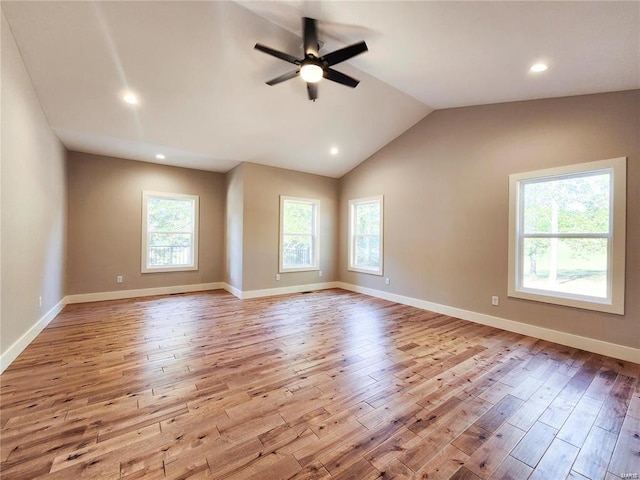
(298, 234)
(367, 252)
(169, 249)
(567, 205)
(367, 221)
(570, 265)
(297, 251)
(169, 215)
(298, 217)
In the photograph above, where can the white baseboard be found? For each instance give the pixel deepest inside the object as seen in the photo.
(236, 292)
(246, 294)
(592, 345)
(584, 343)
(19, 345)
(142, 292)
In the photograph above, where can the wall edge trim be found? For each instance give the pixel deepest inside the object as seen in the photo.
(621, 352)
(236, 292)
(142, 292)
(27, 337)
(593, 345)
(268, 292)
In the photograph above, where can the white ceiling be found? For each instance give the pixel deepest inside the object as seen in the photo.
(204, 104)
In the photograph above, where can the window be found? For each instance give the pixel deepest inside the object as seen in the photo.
(169, 232)
(365, 235)
(299, 234)
(567, 235)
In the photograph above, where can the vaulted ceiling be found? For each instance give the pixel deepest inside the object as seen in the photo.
(203, 102)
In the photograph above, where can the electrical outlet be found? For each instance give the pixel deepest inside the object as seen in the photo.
(40, 301)
(119, 279)
(277, 277)
(319, 273)
(495, 301)
(387, 281)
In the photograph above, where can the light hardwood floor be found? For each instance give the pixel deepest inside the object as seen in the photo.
(329, 384)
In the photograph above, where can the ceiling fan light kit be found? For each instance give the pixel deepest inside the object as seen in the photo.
(313, 67)
(311, 72)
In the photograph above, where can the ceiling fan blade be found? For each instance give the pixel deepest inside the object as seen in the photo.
(282, 56)
(284, 77)
(312, 90)
(345, 53)
(336, 76)
(310, 36)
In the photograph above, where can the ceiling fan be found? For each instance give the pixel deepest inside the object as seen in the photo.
(312, 67)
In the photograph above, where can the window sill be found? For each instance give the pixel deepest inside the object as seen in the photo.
(585, 303)
(169, 269)
(366, 270)
(298, 269)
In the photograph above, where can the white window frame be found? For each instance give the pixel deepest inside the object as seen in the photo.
(315, 237)
(353, 237)
(614, 303)
(145, 268)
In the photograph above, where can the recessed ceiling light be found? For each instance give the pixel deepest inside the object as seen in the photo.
(538, 67)
(130, 98)
(160, 156)
(333, 151)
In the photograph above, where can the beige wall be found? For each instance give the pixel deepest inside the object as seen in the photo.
(445, 183)
(105, 222)
(33, 202)
(234, 182)
(262, 189)
(239, 221)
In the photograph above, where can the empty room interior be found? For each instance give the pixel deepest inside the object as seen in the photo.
(320, 240)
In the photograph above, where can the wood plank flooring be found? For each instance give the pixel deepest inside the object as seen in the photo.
(325, 385)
